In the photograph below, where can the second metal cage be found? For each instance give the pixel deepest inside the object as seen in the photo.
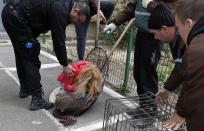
(139, 113)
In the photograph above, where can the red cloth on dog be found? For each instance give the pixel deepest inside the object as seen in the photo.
(67, 80)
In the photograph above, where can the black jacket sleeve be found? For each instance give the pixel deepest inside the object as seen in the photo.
(174, 80)
(59, 21)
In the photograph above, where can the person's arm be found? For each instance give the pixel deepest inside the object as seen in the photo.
(93, 6)
(58, 25)
(177, 50)
(151, 4)
(193, 77)
(127, 14)
(175, 78)
(173, 81)
(179, 105)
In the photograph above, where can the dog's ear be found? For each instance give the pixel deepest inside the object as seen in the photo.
(89, 81)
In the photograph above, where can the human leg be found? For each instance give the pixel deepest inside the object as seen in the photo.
(81, 33)
(146, 59)
(24, 89)
(10, 22)
(107, 7)
(27, 60)
(31, 64)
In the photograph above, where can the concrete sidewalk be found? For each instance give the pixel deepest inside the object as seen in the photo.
(14, 111)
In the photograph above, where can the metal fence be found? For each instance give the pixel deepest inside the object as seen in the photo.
(120, 74)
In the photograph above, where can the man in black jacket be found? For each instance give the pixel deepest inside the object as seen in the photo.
(24, 21)
(162, 25)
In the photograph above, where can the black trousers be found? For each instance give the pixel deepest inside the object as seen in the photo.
(27, 59)
(146, 58)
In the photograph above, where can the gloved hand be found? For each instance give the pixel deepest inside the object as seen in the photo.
(163, 95)
(174, 122)
(68, 70)
(109, 28)
(145, 3)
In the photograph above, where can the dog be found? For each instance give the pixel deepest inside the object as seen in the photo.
(79, 92)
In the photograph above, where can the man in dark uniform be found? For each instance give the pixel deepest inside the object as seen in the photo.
(24, 21)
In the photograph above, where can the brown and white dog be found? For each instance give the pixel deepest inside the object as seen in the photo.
(87, 86)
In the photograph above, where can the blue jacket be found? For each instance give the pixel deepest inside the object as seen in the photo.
(142, 16)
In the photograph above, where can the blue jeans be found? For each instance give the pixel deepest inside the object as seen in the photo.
(107, 7)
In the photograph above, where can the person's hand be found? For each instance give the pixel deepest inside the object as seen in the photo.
(109, 28)
(102, 17)
(163, 95)
(174, 122)
(68, 70)
(145, 3)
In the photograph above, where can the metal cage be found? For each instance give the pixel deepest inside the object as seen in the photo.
(139, 113)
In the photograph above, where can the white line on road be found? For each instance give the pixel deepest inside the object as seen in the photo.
(59, 125)
(52, 57)
(91, 126)
(43, 66)
(5, 43)
(10, 74)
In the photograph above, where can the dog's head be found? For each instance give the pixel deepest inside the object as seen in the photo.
(89, 81)
(88, 86)
(63, 102)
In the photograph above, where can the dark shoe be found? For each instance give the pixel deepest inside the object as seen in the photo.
(38, 103)
(23, 94)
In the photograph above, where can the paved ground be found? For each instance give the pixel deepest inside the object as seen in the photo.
(14, 111)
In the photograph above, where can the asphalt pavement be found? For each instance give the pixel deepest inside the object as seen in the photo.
(14, 112)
